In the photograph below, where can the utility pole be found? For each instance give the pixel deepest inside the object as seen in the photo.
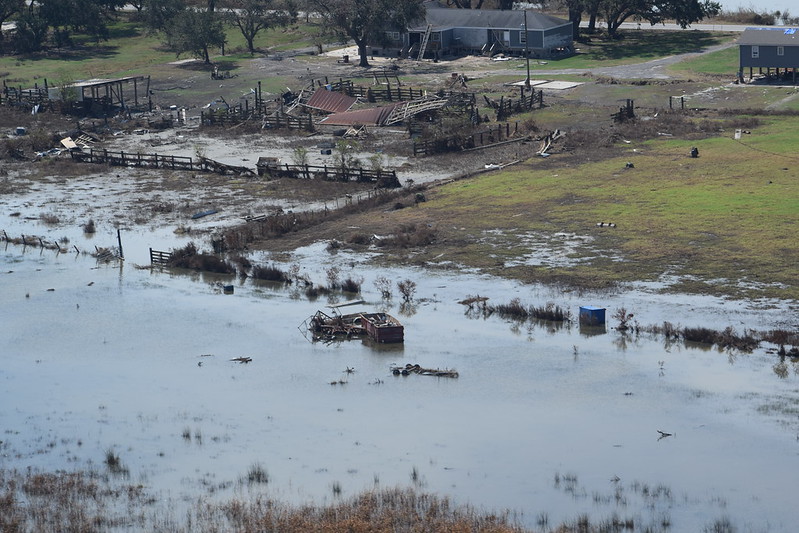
(526, 52)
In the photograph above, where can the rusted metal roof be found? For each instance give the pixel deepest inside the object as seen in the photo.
(374, 116)
(332, 102)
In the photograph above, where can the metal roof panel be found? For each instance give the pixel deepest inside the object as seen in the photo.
(330, 101)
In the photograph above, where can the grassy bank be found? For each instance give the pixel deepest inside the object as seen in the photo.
(723, 223)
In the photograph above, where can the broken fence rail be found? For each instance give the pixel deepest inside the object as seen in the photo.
(159, 258)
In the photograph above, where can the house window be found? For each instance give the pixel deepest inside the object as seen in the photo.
(755, 51)
(523, 37)
(435, 37)
(393, 35)
(780, 50)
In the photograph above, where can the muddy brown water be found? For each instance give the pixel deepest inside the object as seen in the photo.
(546, 421)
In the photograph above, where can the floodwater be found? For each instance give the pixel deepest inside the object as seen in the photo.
(550, 422)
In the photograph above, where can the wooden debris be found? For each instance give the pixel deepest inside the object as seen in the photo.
(241, 359)
(409, 369)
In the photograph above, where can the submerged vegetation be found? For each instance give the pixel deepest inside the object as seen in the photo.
(87, 502)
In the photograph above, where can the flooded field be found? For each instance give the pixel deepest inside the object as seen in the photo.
(551, 422)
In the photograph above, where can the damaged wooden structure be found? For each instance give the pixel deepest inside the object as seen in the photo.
(379, 327)
(98, 97)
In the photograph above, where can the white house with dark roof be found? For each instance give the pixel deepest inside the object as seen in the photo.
(767, 48)
(491, 31)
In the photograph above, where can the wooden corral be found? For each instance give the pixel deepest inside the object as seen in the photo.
(383, 179)
(457, 143)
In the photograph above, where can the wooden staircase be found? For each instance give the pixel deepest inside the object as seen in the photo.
(425, 39)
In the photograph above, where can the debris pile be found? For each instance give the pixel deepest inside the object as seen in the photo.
(409, 369)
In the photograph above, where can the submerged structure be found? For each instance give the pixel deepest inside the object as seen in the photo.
(380, 327)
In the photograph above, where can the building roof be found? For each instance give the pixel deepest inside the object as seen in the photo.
(374, 116)
(330, 101)
(444, 18)
(770, 36)
(101, 82)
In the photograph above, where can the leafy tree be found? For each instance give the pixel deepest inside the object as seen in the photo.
(195, 31)
(32, 29)
(252, 16)
(8, 8)
(158, 14)
(367, 22)
(86, 16)
(683, 12)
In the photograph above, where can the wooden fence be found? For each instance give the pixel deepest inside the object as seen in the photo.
(159, 258)
(240, 114)
(172, 162)
(509, 106)
(377, 93)
(384, 179)
(457, 143)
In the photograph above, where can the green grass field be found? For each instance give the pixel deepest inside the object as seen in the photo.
(725, 222)
(131, 50)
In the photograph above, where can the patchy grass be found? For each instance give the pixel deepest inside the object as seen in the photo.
(726, 220)
(721, 62)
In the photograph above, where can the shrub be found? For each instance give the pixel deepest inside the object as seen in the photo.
(551, 312)
(514, 310)
(359, 238)
(407, 289)
(189, 257)
(702, 335)
(49, 218)
(351, 285)
(383, 285)
(624, 318)
(270, 273)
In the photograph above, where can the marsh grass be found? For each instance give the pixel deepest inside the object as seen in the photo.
(257, 474)
(114, 463)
